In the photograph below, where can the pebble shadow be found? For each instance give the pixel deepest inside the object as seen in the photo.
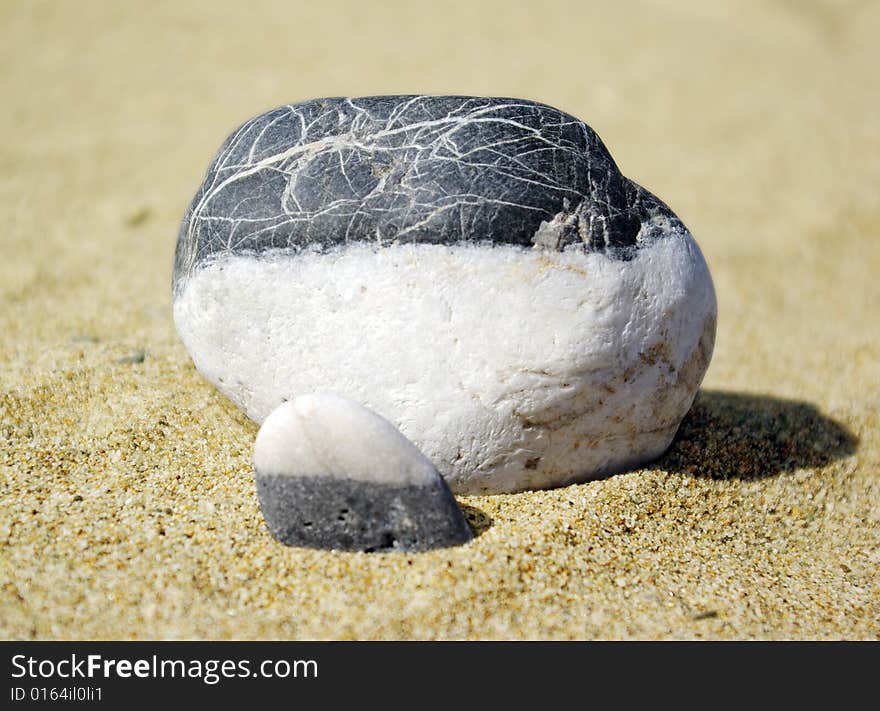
(477, 519)
(730, 435)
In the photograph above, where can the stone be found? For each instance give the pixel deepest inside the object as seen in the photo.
(332, 474)
(477, 270)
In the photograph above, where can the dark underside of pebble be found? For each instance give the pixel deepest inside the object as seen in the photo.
(422, 169)
(345, 514)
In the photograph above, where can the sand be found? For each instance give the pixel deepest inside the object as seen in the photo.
(127, 507)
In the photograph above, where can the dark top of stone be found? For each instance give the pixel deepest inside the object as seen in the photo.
(427, 169)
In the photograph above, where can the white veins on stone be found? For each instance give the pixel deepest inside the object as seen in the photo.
(422, 169)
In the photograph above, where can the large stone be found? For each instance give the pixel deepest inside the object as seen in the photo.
(476, 270)
(332, 474)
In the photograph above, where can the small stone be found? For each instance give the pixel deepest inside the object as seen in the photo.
(136, 357)
(138, 217)
(332, 474)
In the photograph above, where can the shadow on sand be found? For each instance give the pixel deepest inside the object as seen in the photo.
(477, 519)
(734, 435)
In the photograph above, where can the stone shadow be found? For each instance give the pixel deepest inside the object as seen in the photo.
(735, 435)
(477, 519)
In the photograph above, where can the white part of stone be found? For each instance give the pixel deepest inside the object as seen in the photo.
(509, 369)
(328, 435)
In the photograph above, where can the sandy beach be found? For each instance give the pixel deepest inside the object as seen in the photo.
(128, 508)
